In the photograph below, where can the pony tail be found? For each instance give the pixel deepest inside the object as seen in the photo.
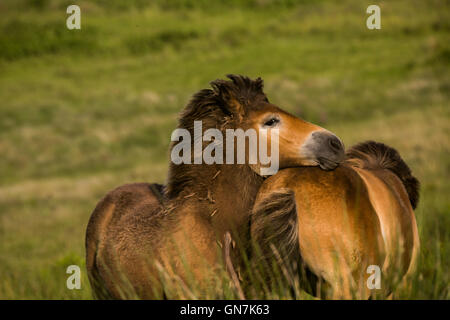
(274, 232)
(376, 155)
(274, 223)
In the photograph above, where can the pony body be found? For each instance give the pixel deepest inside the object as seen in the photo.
(328, 228)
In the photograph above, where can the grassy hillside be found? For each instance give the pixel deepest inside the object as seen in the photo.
(86, 110)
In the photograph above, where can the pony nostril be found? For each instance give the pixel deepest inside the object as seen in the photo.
(327, 148)
(335, 144)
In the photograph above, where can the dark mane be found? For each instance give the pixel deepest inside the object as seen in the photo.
(221, 107)
(378, 155)
(241, 88)
(214, 104)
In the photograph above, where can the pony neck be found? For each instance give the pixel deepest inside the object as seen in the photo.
(223, 194)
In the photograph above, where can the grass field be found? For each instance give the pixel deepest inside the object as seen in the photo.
(86, 110)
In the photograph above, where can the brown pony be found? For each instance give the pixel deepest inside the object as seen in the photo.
(141, 236)
(327, 230)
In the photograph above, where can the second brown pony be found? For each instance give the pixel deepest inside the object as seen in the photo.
(332, 230)
(142, 236)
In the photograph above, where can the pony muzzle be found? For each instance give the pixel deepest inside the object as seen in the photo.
(325, 149)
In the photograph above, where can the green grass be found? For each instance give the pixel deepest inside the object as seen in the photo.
(84, 111)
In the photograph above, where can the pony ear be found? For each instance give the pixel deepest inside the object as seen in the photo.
(227, 98)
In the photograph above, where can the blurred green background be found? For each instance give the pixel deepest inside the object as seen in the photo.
(84, 111)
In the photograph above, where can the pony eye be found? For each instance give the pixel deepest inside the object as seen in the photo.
(271, 122)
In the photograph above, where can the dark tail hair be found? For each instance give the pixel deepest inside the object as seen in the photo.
(274, 230)
(274, 221)
(378, 155)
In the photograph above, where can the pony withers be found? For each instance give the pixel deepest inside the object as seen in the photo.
(152, 241)
(342, 234)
